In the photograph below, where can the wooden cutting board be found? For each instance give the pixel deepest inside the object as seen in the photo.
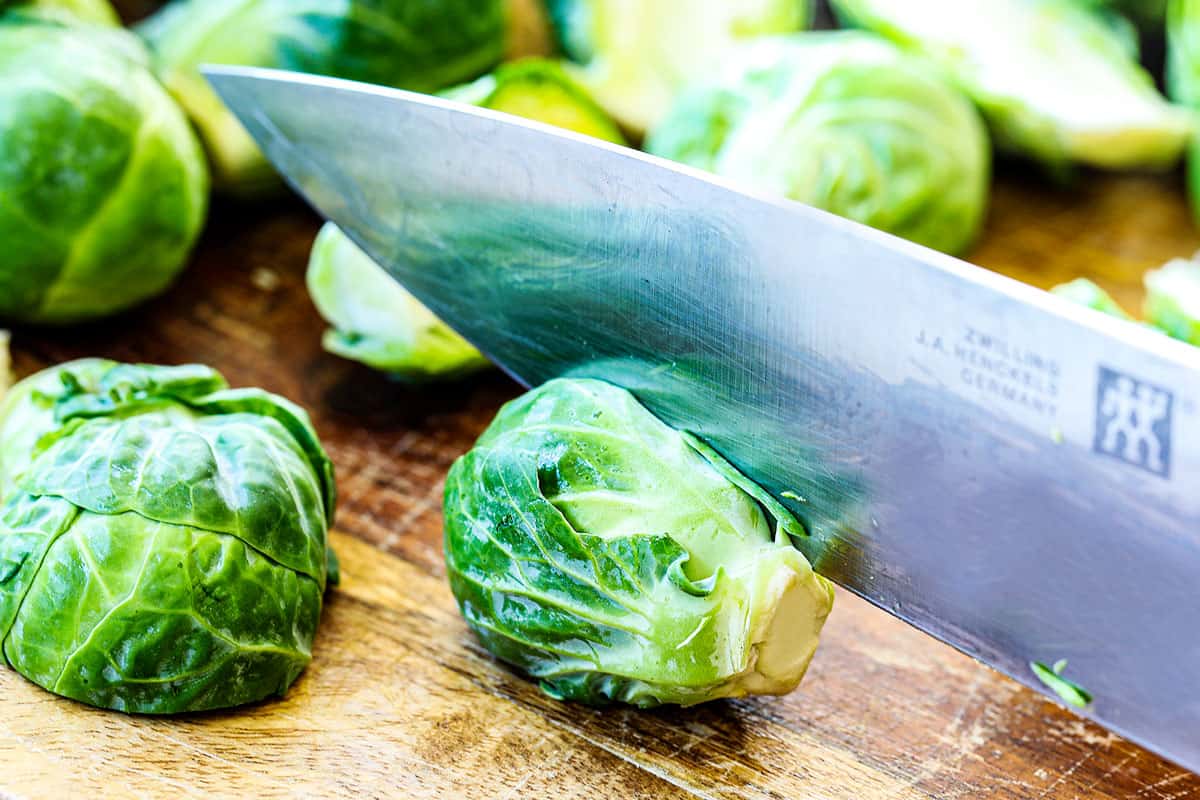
(400, 701)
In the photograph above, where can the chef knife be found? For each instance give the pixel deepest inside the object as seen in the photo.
(1014, 475)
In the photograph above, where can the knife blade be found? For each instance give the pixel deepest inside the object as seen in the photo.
(1013, 475)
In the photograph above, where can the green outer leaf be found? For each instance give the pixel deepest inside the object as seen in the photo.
(104, 184)
(1071, 693)
(148, 618)
(27, 413)
(166, 548)
(845, 122)
(240, 474)
(784, 519)
(1056, 81)
(591, 546)
(94, 388)
(422, 46)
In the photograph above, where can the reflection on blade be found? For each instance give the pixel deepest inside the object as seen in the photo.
(1011, 474)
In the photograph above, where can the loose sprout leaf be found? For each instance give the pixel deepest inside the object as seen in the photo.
(1071, 693)
(378, 322)
(785, 521)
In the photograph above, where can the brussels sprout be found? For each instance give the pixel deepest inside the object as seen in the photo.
(162, 537)
(1173, 300)
(376, 321)
(104, 183)
(617, 560)
(1083, 292)
(635, 55)
(845, 122)
(423, 46)
(1054, 79)
(99, 12)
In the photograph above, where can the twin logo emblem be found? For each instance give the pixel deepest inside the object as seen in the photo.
(1133, 422)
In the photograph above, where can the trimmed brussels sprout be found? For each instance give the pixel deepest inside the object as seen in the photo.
(1083, 292)
(423, 46)
(162, 537)
(105, 185)
(98, 12)
(376, 321)
(1055, 80)
(635, 55)
(617, 560)
(846, 122)
(1173, 300)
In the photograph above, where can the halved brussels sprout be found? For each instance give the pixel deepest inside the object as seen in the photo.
(617, 560)
(375, 320)
(162, 537)
(846, 122)
(105, 185)
(423, 46)
(635, 55)
(1055, 80)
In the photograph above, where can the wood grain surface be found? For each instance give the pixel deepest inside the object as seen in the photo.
(401, 702)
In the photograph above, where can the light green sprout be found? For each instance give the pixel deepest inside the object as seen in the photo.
(845, 122)
(1056, 80)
